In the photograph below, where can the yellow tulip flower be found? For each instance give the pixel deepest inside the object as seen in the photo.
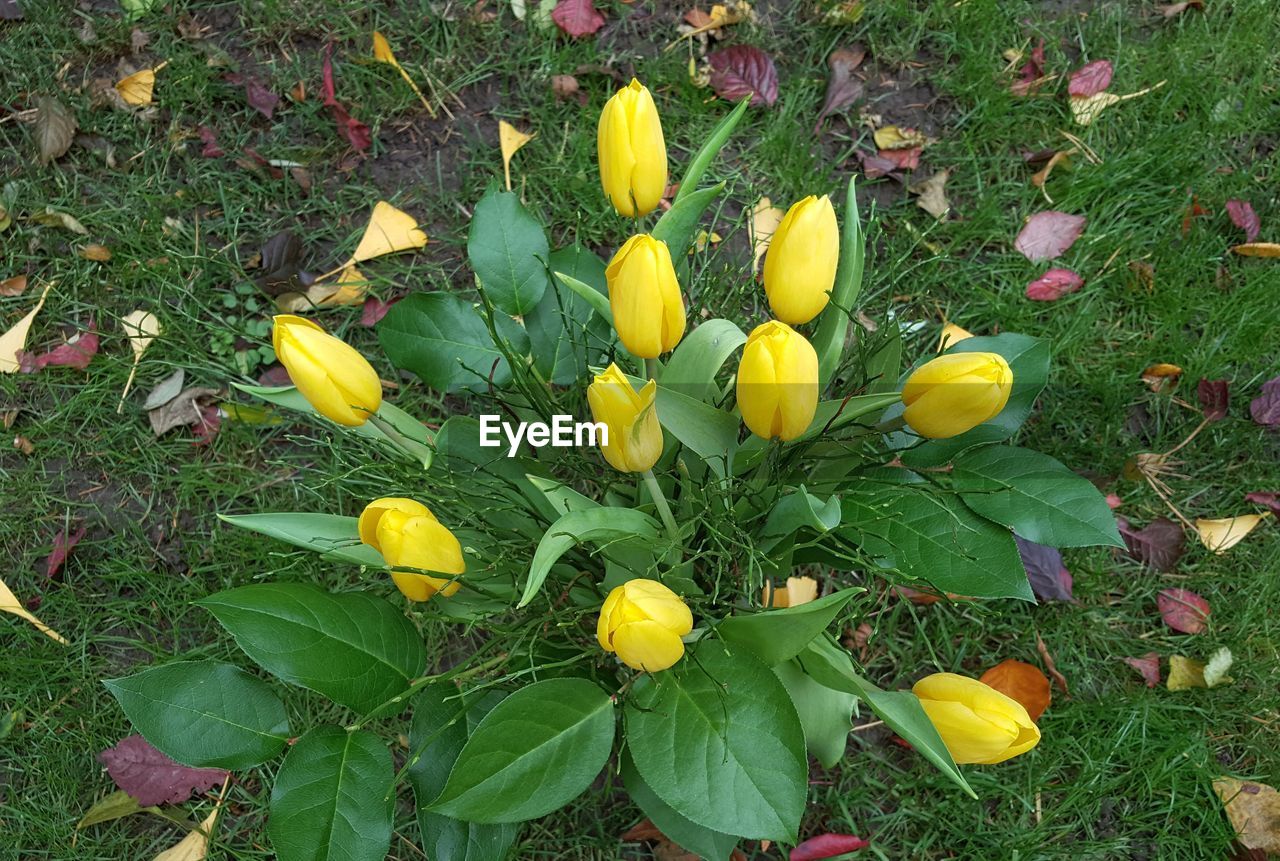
(632, 152)
(800, 265)
(777, 382)
(954, 393)
(408, 535)
(334, 378)
(635, 437)
(644, 295)
(977, 723)
(643, 621)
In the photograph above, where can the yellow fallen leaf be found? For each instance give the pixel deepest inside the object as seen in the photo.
(9, 603)
(952, 335)
(136, 89)
(390, 230)
(1254, 811)
(1085, 109)
(383, 54)
(141, 327)
(892, 137)
(1223, 534)
(933, 194)
(704, 239)
(195, 846)
(799, 590)
(765, 218)
(349, 288)
(1184, 673)
(1161, 376)
(16, 338)
(510, 139)
(1257, 249)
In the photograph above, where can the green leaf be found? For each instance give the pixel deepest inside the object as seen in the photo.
(710, 149)
(576, 527)
(508, 250)
(693, 366)
(884, 366)
(830, 665)
(561, 497)
(833, 325)
(598, 301)
(353, 648)
(1035, 496)
(135, 9)
(534, 752)
(333, 535)
(689, 835)
(441, 724)
(117, 805)
(445, 342)
(932, 536)
(677, 225)
(204, 714)
(775, 636)
(719, 741)
(710, 433)
(798, 510)
(332, 798)
(824, 713)
(564, 331)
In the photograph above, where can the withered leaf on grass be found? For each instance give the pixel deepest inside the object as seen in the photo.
(117, 805)
(195, 846)
(894, 138)
(15, 286)
(51, 217)
(77, 352)
(1048, 574)
(374, 310)
(510, 140)
(1185, 673)
(389, 230)
(1221, 534)
(1257, 249)
(1053, 285)
(354, 132)
(1022, 682)
(257, 94)
(1161, 376)
(1049, 234)
(184, 409)
(1090, 79)
(1159, 544)
(209, 138)
(1265, 408)
(55, 128)
(1242, 216)
(165, 390)
(152, 777)
(1214, 398)
(63, 543)
(1183, 610)
(742, 70)
(9, 603)
(1029, 76)
(932, 194)
(1148, 666)
(1173, 10)
(1268, 499)
(843, 89)
(1254, 811)
(281, 267)
(14, 339)
(577, 18)
(10, 10)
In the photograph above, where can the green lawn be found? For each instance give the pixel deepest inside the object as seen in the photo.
(1122, 772)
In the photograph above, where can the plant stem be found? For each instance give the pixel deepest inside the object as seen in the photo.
(412, 448)
(660, 501)
(651, 369)
(422, 683)
(894, 424)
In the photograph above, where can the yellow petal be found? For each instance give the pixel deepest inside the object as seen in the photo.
(657, 602)
(799, 590)
(510, 139)
(137, 88)
(765, 218)
(16, 338)
(1185, 673)
(421, 587)
(9, 603)
(141, 327)
(382, 50)
(647, 645)
(1221, 535)
(368, 522)
(952, 334)
(390, 230)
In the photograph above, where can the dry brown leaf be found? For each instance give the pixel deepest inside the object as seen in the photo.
(15, 286)
(1022, 682)
(932, 194)
(1222, 534)
(799, 590)
(510, 139)
(55, 128)
(183, 410)
(1257, 249)
(16, 338)
(765, 218)
(390, 230)
(9, 603)
(1254, 811)
(96, 253)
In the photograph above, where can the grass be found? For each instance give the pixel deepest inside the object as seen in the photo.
(1123, 771)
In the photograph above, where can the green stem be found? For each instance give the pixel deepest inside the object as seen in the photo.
(660, 501)
(412, 448)
(422, 683)
(651, 369)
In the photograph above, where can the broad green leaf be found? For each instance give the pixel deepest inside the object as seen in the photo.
(718, 740)
(534, 752)
(798, 510)
(441, 724)
(576, 527)
(333, 535)
(332, 798)
(884, 366)
(561, 497)
(599, 302)
(445, 342)
(1035, 496)
(204, 714)
(932, 536)
(508, 250)
(710, 433)
(775, 636)
(698, 358)
(824, 713)
(564, 331)
(355, 649)
(677, 225)
(497, 485)
(830, 665)
(709, 150)
(689, 835)
(834, 323)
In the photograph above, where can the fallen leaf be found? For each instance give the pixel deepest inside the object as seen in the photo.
(1223, 534)
(1161, 376)
(51, 217)
(1183, 610)
(63, 543)
(510, 139)
(137, 89)
(932, 194)
(1242, 216)
(1264, 409)
(184, 409)
(1215, 671)
(350, 287)
(195, 846)
(1041, 177)
(1254, 811)
(1053, 285)
(117, 805)
(827, 846)
(96, 253)
(77, 352)
(1270, 500)
(874, 166)
(15, 286)
(902, 159)
(257, 94)
(9, 603)
(1173, 10)
(742, 70)
(374, 310)
(1031, 75)
(894, 138)
(843, 89)
(1085, 110)
(15, 339)
(1257, 249)
(1048, 574)
(1049, 234)
(24, 445)
(577, 18)
(281, 265)
(383, 54)
(1184, 674)
(55, 128)
(210, 140)
(705, 239)
(1058, 678)
(765, 218)
(389, 230)
(354, 132)
(1148, 666)
(166, 390)
(152, 777)
(1022, 682)
(1090, 79)
(1144, 273)
(1214, 398)
(799, 590)
(10, 10)
(564, 86)
(952, 335)
(141, 327)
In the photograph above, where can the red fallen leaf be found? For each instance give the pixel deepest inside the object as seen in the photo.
(1265, 408)
(577, 18)
(1047, 235)
(1054, 284)
(153, 778)
(261, 161)
(1265, 498)
(742, 70)
(1243, 216)
(1090, 79)
(276, 375)
(1214, 398)
(1031, 72)
(1048, 574)
(1194, 210)
(1159, 544)
(843, 89)
(208, 426)
(874, 166)
(209, 138)
(351, 129)
(75, 353)
(374, 310)
(259, 97)
(1149, 666)
(63, 543)
(1113, 501)
(827, 846)
(1182, 610)
(903, 159)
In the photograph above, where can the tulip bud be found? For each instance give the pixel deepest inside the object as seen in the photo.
(777, 382)
(635, 437)
(632, 152)
(408, 535)
(977, 723)
(643, 621)
(800, 265)
(644, 295)
(951, 394)
(334, 378)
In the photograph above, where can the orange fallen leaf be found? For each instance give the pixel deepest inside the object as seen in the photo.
(1161, 376)
(15, 286)
(1257, 249)
(510, 139)
(1021, 682)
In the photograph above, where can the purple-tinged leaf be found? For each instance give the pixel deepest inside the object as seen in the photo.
(1050, 579)
(1159, 544)
(1053, 285)
(1214, 398)
(153, 778)
(1243, 216)
(742, 70)
(1265, 408)
(1090, 79)
(1047, 235)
